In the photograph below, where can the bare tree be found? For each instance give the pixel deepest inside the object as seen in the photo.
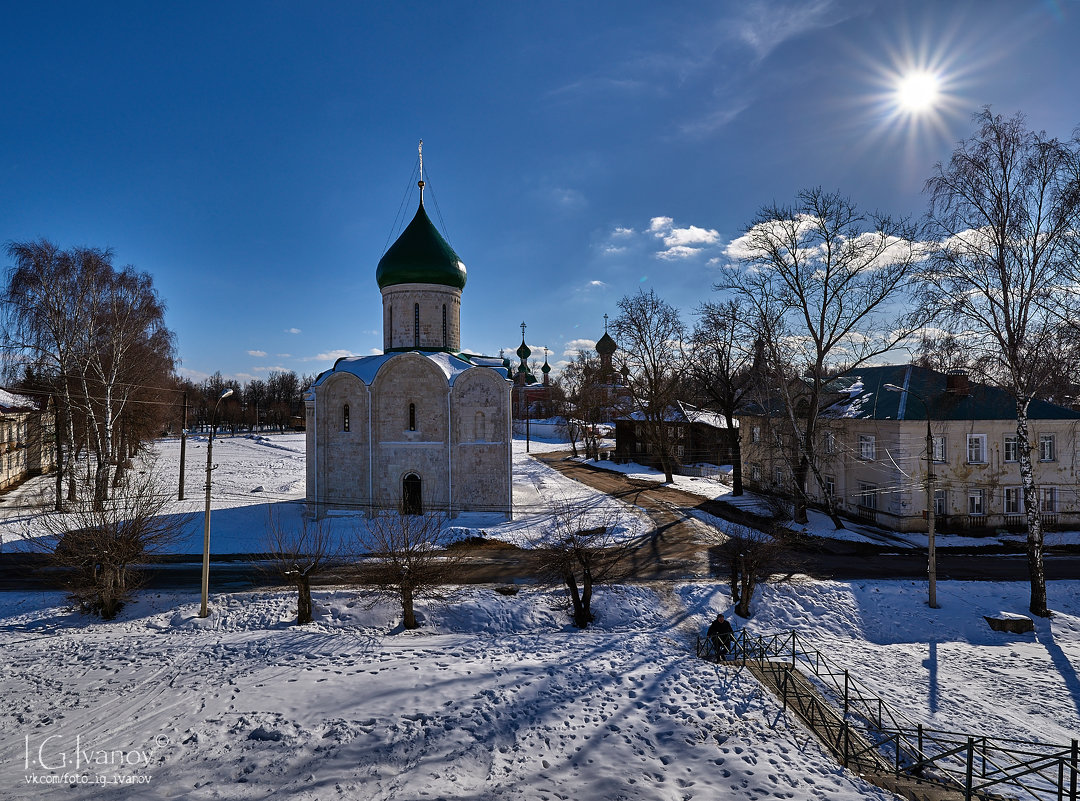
(752, 557)
(651, 333)
(823, 283)
(407, 555)
(581, 548)
(720, 368)
(1005, 210)
(300, 553)
(583, 400)
(98, 544)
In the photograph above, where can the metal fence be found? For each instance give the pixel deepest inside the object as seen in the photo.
(857, 721)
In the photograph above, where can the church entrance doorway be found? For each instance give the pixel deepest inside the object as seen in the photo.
(411, 503)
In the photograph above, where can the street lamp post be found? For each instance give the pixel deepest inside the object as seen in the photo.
(930, 517)
(204, 610)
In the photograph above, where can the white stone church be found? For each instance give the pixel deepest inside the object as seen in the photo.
(422, 427)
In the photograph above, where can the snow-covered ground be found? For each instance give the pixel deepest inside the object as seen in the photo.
(495, 697)
(258, 475)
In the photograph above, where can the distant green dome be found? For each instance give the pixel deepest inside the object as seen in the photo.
(420, 256)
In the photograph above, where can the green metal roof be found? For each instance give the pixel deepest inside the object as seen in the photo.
(869, 400)
(420, 256)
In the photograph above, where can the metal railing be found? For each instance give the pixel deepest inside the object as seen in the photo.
(865, 732)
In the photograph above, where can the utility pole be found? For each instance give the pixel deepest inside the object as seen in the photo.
(183, 449)
(931, 567)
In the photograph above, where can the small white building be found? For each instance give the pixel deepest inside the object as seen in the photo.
(422, 427)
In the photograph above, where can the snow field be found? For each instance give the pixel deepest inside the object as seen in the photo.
(496, 697)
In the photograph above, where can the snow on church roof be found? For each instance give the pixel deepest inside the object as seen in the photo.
(367, 367)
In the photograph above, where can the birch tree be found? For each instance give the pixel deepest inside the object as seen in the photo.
(1005, 210)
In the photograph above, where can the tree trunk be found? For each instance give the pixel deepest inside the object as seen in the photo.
(742, 608)
(577, 613)
(798, 496)
(1036, 567)
(408, 614)
(734, 579)
(735, 450)
(303, 601)
(58, 434)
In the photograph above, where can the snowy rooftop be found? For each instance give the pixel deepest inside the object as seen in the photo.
(367, 367)
(10, 401)
(685, 413)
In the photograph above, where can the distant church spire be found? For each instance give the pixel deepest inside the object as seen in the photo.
(420, 148)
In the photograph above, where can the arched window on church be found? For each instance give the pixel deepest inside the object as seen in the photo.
(416, 325)
(411, 498)
(345, 418)
(479, 432)
(444, 339)
(412, 416)
(390, 324)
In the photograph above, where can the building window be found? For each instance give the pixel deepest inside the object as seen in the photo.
(941, 502)
(830, 486)
(411, 498)
(444, 337)
(416, 325)
(412, 416)
(755, 434)
(1047, 452)
(679, 451)
(976, 506)
(828, 442)
(867, 495)
(755, 472)
(976, 449)
(939, 448)
(778, 436)
(867, 446)
(778, 476)
(1048, 500)
(1010, 451)
(345, 418)
(479, 427)
(1014, 501)
(390, 323)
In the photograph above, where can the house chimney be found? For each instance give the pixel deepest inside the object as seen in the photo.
(957, 383)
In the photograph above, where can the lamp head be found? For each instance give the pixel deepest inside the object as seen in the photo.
(226, 394)
(893, 388)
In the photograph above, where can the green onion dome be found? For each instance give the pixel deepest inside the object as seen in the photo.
(420, 256)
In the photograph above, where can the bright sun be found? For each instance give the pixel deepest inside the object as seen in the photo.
(917, 92)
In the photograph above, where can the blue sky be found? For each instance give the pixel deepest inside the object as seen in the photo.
(253, 157)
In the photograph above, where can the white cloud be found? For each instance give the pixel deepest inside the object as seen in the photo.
(282, 355)
(693, 235)
(331, 356)
(765, 26)
(598, 284)
(621, 232)
(259, 354)
(292, 330)
(658, 225)
(375, 352)
(677, 252)
(574, 345)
